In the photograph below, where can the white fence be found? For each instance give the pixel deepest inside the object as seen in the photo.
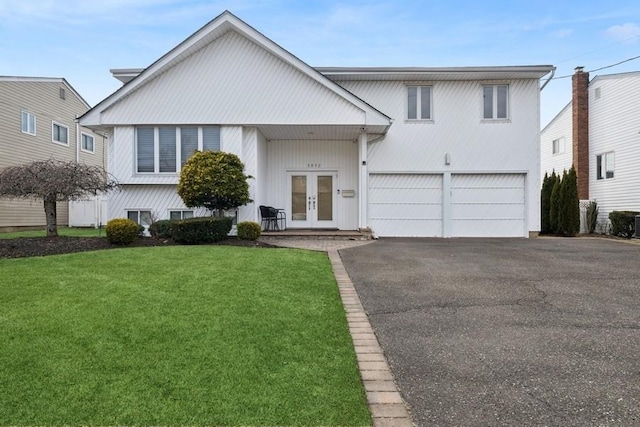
(88, 213)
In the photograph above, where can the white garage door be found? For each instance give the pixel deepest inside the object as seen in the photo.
(488, 205)
(405, 205)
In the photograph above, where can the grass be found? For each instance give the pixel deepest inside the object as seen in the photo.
(62, 231)
(180, 335)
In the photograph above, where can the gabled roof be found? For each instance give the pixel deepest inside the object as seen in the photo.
(61, 80)
(211, 31)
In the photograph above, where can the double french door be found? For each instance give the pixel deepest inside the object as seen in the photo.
(312, 200)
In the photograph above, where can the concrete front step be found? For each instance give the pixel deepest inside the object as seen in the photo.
(316, 235)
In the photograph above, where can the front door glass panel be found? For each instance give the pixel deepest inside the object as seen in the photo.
(325, 198)
(298, 197)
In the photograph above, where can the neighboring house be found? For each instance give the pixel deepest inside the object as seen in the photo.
(403, 151)
(599, 133)
(38, 122)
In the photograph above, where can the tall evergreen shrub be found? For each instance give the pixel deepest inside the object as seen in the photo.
(571, 204)
(562, 204)
(554, 203)
(545, 203)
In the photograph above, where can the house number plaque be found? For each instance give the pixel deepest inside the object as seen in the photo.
(314, 165)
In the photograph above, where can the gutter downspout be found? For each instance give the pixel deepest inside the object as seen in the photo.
(77, 139)
(553, 72)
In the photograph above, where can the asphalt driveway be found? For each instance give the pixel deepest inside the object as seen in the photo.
(507, 331)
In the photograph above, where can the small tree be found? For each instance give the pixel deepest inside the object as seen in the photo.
(54, 181)
(554, 204)
(545, 203)
(214, 180)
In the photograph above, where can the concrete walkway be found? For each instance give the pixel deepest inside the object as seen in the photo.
(384, 400)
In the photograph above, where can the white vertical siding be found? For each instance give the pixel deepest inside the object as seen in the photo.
(341, 156)
(222, 80)
(250, 160)
(560, 127)
(457, 129)
(614, 125)
(158, 199)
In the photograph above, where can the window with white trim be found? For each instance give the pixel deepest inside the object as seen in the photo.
(59, 133)
(558, 146)
(87, 144)
(418, 102)
(141, 217)
(495, 102)
(180, 214)
(605, 165)
(28, 123)
(166, 149)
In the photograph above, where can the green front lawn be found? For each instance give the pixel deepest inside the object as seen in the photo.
(180, 335)
(62, 231)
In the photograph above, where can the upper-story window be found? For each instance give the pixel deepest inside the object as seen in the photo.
(418, 102)
(604, 165)
(558, 146)
(28, 123)
(88, 144)
(59, 133)
(495, 102)
(166, 149)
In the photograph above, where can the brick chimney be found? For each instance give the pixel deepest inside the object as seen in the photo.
(580, 114)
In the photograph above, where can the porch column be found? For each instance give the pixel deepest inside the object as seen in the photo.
(363, 184)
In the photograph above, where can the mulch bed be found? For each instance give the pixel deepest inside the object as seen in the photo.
(42, 246)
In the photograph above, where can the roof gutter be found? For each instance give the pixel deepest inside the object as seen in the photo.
(553, 72)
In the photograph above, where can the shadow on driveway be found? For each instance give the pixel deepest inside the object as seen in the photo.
(507, 331)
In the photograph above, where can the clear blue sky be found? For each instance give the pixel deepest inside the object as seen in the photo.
(82, 39)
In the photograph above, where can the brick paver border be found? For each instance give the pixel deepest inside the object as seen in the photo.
(384, 400)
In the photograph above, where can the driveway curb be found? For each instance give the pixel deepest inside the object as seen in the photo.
(384, 400)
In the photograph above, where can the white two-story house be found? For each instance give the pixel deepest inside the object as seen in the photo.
(403, 151)
(598, 132)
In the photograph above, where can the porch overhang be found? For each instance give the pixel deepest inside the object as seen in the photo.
(284, 132)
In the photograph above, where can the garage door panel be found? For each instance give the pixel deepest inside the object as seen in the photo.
(404, 195)
(486, 228)
(488, 180)
(408, 228)
(405, 204)
(487, 212)
(487, 195)
(407, 211)
(488, 205)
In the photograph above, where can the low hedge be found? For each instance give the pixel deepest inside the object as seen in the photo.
(194, 231)
(161, 228)
(623, 223)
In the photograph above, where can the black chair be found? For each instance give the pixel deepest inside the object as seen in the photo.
(273, 219)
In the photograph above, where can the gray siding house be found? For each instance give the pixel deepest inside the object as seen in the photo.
(38, 122)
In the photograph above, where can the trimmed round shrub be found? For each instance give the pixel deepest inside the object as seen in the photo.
(623, 223)
(161, 229)
(122, 231)
(249, 230)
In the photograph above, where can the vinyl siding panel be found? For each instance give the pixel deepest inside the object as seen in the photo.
(220, 81)
(340, 156)
(458, 130)
(42, 99)
(560, 127)
(158, 199)
(615, 126)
